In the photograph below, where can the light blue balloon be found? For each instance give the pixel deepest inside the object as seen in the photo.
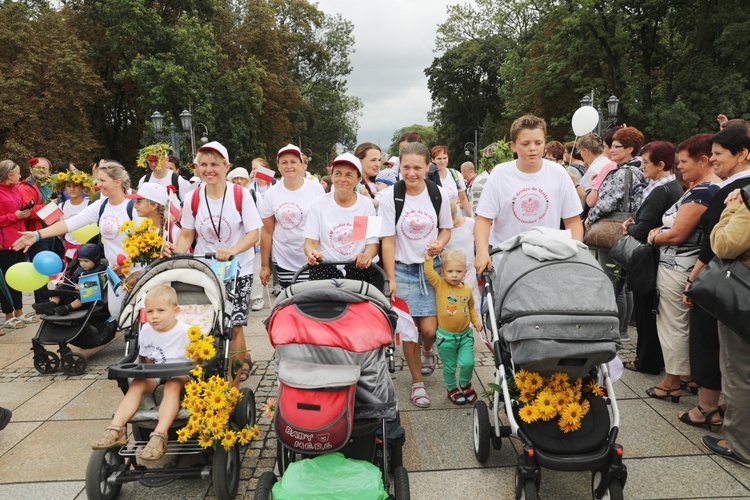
(47, 263)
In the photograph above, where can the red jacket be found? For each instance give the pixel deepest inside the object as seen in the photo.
(10, 225)
(30, 191)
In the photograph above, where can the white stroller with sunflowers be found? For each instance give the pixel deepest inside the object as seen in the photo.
(200, 445)
(550, 349)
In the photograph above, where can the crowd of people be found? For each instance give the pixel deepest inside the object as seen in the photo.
(438, 225)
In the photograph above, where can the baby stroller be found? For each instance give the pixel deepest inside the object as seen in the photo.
(88, 327)
(335, 391)
(537, 324)
(203, 302)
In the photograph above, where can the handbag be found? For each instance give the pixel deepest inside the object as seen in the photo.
(644, 262)
(723, 290)
(622, 251)
(604, 233)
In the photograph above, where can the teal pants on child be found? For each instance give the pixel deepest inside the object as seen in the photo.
(456, 349)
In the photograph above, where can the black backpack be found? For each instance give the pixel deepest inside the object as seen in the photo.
(399, 192)
(175, 182)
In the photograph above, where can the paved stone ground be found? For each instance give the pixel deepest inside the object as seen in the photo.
(45, 449)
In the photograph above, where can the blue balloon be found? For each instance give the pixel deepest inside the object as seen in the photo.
(47, 263)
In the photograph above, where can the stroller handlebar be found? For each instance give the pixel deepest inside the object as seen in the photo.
(307, 267)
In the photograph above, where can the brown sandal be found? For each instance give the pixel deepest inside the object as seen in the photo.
(154, 450)
(110, 440)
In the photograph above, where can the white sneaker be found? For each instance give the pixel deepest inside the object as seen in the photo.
(257, 304)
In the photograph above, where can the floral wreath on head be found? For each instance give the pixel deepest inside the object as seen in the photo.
(160, 150)
(85, 180)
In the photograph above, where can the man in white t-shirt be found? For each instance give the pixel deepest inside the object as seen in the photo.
(524, 193)
(165, 177)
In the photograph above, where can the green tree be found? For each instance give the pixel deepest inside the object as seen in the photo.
(426, 132)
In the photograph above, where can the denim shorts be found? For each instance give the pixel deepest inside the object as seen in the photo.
(412, 286)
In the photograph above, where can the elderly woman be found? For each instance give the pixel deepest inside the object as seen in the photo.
(730, 149)
(730, 239)
(217, 222)
(450, 180)
(12, 223)
(330, 223)
(657, 162)
(405, 239)
(109, 212)
(626, 143)
(679, 240)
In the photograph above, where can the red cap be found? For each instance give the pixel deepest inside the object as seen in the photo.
(152, 158)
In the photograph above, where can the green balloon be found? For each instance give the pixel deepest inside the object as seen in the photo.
(24, 278)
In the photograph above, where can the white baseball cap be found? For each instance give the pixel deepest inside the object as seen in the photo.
(348, 159)
(152, 192)
(217, 148)
(290, 148)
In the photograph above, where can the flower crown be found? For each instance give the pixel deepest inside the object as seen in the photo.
(78, 177)
(160, 150)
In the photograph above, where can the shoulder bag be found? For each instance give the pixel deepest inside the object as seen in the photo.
(723, 290)
(604, 233)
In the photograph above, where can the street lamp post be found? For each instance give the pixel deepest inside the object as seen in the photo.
(174, 136)
(613, 104)
(474, 147)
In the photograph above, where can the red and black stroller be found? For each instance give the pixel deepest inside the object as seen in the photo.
(335, 391)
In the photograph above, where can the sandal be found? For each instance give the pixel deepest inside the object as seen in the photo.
(28, 318)
(690, 386)
(244, 373)
(14, 324)
(428, 362)
(419, 397)
(469, 393)
(456, 397)
(707, 422)
(651, 392)
(111, 440)
(154, 450)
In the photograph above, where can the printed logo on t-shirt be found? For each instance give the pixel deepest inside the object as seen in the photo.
(208, 233)
(417, 225)
(530, 205)
(340, 239)
(109, 226)
(289, 215)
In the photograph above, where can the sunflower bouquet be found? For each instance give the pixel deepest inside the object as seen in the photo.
(210, 402)
(555, 396)
(142, 243)
(58, 181)
(160, 150)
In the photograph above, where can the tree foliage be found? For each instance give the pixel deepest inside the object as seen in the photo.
(426, 132)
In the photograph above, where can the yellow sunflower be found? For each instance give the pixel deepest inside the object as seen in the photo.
(546, 405)
(529, 413)
(228, 440)
(205, 440)
(569, 425)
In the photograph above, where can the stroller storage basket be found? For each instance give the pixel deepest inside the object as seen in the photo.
(316, 405)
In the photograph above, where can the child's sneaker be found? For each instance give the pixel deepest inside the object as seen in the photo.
(44, 307)
(428, 362)
(62, 310)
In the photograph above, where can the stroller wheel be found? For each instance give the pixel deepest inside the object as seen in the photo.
(613, 491)
(74, 363)
(526, 490)
(102, 464)
(226, 472)
(265, 485)
(401, 484)
(481, 431)
(244, 412)
(46, 362)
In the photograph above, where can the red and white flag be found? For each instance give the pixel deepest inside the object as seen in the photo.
(405, 328)
(264, 174)
(366, 227)
(174, 207)
(51, 213)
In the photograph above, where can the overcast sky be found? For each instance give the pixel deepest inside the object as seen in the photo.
(393, 42)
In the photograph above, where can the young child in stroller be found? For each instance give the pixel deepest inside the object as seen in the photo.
(162, 340)
(61, 300)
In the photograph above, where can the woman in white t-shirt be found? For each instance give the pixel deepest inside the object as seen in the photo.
(455, 186)
(286, 205)
(330, 227)
(419, 231)
(109, 212)
(215, 224)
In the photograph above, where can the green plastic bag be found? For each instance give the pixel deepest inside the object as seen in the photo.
(330, 477)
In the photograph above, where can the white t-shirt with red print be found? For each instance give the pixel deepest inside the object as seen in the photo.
(449, 184)
(418, 225)
(290, 210)
(517, 201)
(230, 224)
(332, 225)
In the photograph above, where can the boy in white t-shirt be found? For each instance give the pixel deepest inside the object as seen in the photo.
(524, 193)
(162, 340)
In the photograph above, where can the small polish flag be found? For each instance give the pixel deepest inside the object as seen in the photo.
(174, 206)
(51, 213)
(264, 174)
(366, 227)
(405, 327)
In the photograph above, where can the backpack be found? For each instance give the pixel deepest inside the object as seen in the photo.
(580, 168)
(195, 202)
(131, 204)
(399, 192)
(434, 176)
(175, 182)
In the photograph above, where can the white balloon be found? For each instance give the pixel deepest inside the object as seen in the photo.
(585, 119)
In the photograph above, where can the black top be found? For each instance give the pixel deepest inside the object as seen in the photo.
(652, 209)
(712, 215)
